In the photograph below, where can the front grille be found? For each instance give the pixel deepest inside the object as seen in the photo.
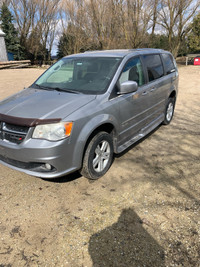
(13, 133)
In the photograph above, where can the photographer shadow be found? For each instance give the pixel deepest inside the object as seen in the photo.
(125, 244)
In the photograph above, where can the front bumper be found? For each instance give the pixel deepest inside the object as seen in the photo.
(34, 157)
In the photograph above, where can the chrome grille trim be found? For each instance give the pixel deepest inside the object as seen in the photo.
(13, 133)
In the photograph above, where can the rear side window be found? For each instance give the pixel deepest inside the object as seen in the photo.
(168, 63)
(154, 66)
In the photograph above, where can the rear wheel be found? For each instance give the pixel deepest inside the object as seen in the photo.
(98, 156)
(169, 112)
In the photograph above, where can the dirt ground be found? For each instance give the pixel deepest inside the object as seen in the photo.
(144, 212)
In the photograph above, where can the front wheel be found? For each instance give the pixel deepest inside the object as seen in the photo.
(169, 112)
(98, 156)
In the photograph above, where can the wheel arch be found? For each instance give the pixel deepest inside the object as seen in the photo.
(103, 156)
(107, 127)
(173, 94)
(103, 122)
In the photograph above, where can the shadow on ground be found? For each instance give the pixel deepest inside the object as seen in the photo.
(64, 179)
(125, 243)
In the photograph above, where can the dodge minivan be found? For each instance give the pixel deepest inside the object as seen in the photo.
(86, 108)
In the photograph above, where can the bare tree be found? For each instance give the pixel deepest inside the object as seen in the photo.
(136, 17)
(154, 15)
(36, 21)
(46, 22)
(73, 19)
(174, 17)
(105, 24)
(25, 13)
(110, 23)
(7, 2)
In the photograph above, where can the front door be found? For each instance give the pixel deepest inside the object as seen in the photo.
(133, 107)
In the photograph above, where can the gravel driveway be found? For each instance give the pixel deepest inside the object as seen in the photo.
(144, 212)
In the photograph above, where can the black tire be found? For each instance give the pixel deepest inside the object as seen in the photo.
(98, 156)
(169, 111)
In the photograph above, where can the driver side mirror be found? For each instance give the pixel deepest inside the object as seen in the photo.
(127, 87)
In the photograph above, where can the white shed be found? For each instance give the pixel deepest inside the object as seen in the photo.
(3, 53)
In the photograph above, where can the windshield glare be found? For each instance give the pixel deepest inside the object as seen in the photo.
(84, 75)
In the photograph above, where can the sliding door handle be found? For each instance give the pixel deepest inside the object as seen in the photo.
(152, 89)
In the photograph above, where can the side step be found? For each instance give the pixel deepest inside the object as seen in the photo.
(143, 132)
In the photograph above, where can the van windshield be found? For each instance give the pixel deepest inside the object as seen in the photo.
(87, 75)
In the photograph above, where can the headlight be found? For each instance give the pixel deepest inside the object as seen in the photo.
(54, 131)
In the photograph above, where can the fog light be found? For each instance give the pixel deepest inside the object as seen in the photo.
(48, 166)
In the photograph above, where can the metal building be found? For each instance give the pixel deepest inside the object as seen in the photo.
(3, 53)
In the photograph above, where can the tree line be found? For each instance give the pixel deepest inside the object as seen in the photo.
(84, 25)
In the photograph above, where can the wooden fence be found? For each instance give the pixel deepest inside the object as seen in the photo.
(15, 64)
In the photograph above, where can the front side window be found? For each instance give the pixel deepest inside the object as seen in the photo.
(87, 75)
(168, 63)
(154, 67)
(133, 71)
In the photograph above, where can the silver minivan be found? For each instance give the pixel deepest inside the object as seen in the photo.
(86, 108)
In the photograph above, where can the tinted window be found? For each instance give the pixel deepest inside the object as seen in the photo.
(133, 72)
(154, 67)
(168, 63)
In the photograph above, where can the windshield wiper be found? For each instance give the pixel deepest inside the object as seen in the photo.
(66, 90)
(43, 87)
(57, 89)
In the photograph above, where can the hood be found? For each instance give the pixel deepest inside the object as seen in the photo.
(43, 104)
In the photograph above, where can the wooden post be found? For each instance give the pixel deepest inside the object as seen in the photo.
(186, 63)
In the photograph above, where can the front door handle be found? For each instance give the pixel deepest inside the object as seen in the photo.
(144, 93)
